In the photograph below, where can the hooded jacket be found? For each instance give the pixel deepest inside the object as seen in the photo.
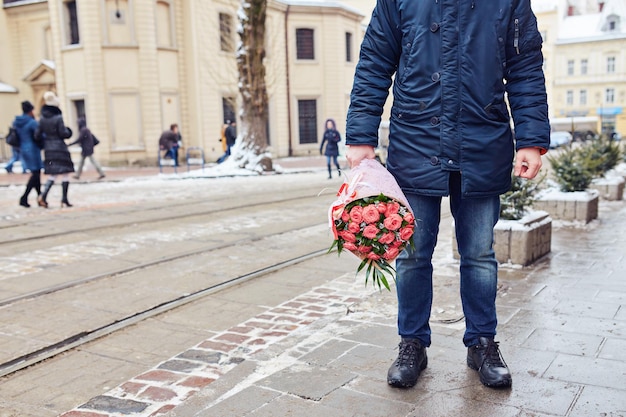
(451, 63)
(30, 152)
(54, 132)
(331, 139)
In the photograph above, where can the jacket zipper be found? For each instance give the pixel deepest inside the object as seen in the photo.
(516, 39)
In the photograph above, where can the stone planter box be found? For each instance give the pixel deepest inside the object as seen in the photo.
(521, 241)
(574, 206)
(610, 188)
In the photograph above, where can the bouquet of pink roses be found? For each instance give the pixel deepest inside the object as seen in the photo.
(372, 219)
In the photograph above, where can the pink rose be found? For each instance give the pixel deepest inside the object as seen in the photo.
(347, 236)
(354, 227)
(356, 214)
(373, 256)
(406, 233)
(350, 246)
(382, 207)
(364, 249)
(409, 217)
(396, 244)
(371, 214)
(345, 216)
(370, 231)
(393, 222)
(391, 254)
(387, 238)
(392, 208)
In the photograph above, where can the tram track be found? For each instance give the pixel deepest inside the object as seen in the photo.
(167, 217)
(76, 340)
(29, 311)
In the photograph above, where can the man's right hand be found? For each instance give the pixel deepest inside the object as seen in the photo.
(356, 153)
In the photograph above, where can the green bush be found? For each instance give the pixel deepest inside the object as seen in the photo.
(601, 155)
(571, 169)
(515, 203)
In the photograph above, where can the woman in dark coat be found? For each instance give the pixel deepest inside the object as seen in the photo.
(53, 132)
(331, 139)
(26, 125)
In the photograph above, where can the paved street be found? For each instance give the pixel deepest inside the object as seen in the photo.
(562, 332)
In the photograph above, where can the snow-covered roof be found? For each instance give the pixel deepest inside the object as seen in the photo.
(595, 26)
(321, 3)
(6, 88)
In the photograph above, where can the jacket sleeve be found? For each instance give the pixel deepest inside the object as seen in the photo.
(526, 86)
(63, 131)
(378, 62)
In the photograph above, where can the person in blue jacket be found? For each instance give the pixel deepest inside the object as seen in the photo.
(331, 139)
(459, 70)
(26, 125)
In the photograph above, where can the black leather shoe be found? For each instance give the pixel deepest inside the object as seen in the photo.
(486, 358)
(412, 360)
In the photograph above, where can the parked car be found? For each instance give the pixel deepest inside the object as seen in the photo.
(559, 139)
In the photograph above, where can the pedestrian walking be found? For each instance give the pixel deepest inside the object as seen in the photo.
(231, 137)
(16, 155)
(57, 159)
(170, 141)
(26, 126)
(450, 64)
(331, 139)
(87, 142)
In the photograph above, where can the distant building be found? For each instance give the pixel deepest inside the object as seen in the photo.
(585, 52)
(133, 67)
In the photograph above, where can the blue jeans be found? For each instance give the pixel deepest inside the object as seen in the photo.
(474, 221)
(16, 156)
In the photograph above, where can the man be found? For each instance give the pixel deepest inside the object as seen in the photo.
(231, 137)
(170, 141)
(451, 64)
(87, 142)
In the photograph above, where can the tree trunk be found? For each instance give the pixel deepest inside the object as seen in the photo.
(252, 150)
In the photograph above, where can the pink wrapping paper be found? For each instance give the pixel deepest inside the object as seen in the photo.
(369, 178)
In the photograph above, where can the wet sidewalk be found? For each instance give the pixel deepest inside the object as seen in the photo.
(562, 332)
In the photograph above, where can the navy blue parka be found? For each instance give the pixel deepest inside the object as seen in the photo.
(451, 63)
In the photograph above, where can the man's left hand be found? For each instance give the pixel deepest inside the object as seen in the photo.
(527, 163)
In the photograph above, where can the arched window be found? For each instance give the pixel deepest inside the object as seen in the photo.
(164, 24)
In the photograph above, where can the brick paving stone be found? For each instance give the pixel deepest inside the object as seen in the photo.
(157, 394)
(158, 376)
(196, 382)
(115, 405)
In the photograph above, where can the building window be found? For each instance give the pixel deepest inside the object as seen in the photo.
(583, 97)
(226, 33)
(70, 14)
(228, 109)
(583, 66)
(305, 46)
(307, 121)
(570, 67)
(610, 65)
(570, 97)
(165, 25)
(348, 47)
(609, 96)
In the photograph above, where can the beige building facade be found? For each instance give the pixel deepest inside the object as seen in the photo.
(133, 67)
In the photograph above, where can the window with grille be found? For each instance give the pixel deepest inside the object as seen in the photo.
(307, 121)
(609, 96)
(583, 66)
(305, 46)
(348, 47)
(570, 67)
(71, 23)
(226, 33)
(570, 97)
(610, 64)
(583, 97)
